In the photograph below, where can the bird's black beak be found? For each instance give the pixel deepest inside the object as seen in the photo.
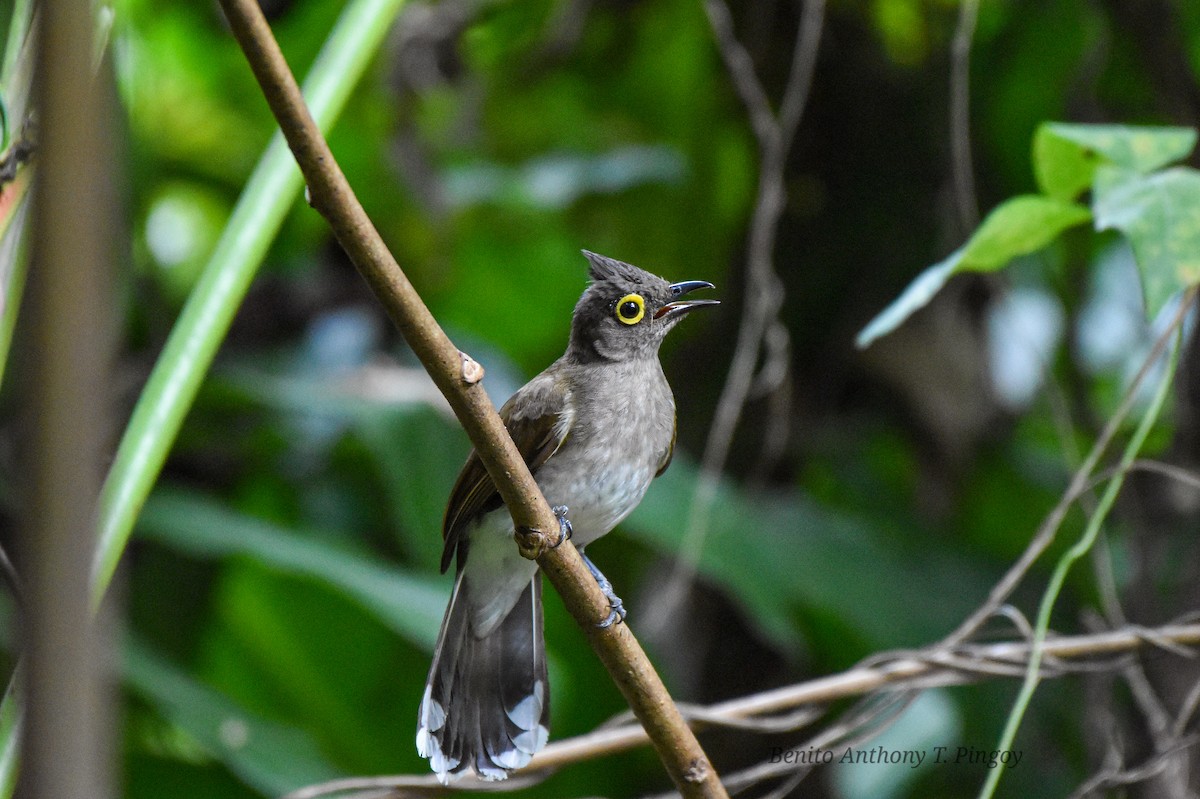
(681, 307)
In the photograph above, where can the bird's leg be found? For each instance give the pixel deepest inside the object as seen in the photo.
(533, 542)
(618, 609)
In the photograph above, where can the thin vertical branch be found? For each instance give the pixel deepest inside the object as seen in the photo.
(67, 735)
(960, 118)
(804, 65)
(763, 288)
(1081, 548)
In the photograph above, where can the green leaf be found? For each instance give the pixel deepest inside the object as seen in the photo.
(14, 264)
(777, 553)
(1061, 167)
(11, 711)
(915, 297)
(272, 757)
(1019, 226)
(1065, 156)
(411, 606)
(210, 309)
(1160, 215)
(16, 51)
(417, 456)
(16, 78)
(296, 650)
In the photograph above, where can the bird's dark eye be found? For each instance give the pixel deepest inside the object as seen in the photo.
(631, 308)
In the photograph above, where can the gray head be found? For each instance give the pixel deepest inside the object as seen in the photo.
(626, 311)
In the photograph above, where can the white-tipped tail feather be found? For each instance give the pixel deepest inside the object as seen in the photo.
(486, 705)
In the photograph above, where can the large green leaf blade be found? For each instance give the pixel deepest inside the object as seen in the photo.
(777, 554)
(11, 711)
(1018, 226)
(272, 757)
(1160, 215)
(1066, 156)
(915, 296)
(1062, 168)
(412, 606)
(210, 309)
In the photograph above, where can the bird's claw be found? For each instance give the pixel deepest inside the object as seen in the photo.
(615, 616)
(564, 525)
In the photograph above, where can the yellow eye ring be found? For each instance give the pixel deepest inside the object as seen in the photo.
(630, 309)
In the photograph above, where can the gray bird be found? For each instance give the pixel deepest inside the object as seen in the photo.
(595, 428)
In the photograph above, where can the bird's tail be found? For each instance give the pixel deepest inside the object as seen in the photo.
(486, 703)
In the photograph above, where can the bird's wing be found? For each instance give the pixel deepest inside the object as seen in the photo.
(666, 459)
(538, 418)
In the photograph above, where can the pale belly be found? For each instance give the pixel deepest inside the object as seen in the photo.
(597, 499)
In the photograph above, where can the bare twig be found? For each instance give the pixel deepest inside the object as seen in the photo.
(1157, 719)
(1115, 777)
(1172, 776)
(867, 719)
(406, 785)
(1176, 473)
(887, 675)
(763, 288)
(331, 195)
(1174, 780)
(1187, 710)
(960, 117)
(1079, 484)
(1085, 542)
(12, 577)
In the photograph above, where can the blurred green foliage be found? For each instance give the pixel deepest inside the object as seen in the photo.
(282, 587)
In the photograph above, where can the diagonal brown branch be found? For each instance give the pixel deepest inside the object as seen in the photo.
(331, 195)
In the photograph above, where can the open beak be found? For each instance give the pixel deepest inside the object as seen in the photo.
(679, 308)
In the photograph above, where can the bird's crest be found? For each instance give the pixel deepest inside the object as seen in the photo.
(602, 268)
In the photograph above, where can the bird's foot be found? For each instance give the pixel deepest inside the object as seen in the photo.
(564, 525)
(532, 542)
(618, 612)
